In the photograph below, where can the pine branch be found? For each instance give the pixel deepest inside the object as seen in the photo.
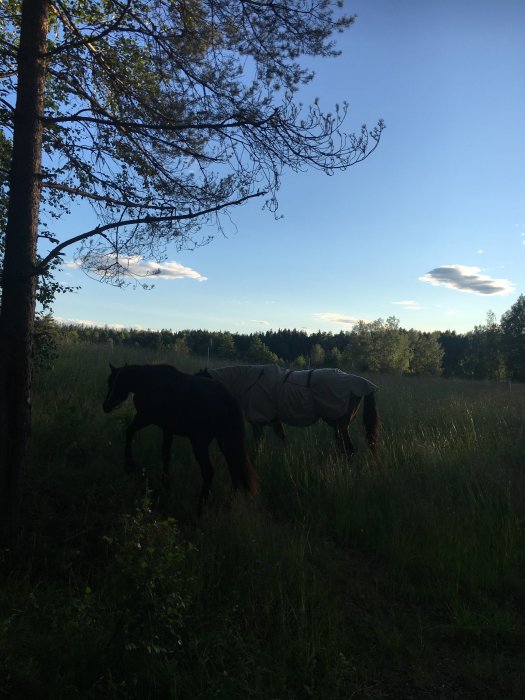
(99, 230)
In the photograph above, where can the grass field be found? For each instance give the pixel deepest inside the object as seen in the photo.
(400, 576)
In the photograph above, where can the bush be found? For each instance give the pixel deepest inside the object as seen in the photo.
(118, 635)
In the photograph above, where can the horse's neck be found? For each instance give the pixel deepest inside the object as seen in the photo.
(132, 378)
(142, 377)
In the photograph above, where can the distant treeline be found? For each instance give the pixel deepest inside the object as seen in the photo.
(490, 351)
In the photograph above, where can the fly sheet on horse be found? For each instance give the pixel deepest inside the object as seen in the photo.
(271, 395)
(268, 393)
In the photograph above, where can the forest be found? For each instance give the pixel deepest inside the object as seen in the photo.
(492, 351)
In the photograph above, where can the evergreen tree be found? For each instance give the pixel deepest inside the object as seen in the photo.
(259, 354)
(225, 347)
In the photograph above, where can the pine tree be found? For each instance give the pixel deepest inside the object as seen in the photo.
(162, 116)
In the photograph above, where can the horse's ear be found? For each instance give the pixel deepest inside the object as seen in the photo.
(113, 369)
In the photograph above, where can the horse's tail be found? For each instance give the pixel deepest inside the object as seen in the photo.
(371, 420)
(233, 446)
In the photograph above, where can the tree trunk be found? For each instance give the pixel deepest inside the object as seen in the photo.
(18, 276)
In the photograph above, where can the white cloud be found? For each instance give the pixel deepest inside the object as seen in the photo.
(139, 267)
(166, 270)
(260, 323)
(338, 319)
(467, 279)
(408, 304)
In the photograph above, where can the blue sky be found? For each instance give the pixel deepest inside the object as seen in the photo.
(430, 229)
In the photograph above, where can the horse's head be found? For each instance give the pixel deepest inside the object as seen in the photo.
(117, 390)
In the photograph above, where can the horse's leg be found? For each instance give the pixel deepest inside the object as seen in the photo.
(200, 450)
(344, 442)
(342, 438)
(136, 424)
(279, 431)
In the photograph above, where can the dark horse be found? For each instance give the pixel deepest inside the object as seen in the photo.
(272, 395)
(184, 404)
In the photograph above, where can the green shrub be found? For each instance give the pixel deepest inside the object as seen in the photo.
(118, 636)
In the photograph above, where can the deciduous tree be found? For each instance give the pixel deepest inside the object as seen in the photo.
(513, 340)
(426, 353)
(483, 356)
(317, 355)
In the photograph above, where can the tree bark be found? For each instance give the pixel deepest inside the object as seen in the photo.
(18, 275)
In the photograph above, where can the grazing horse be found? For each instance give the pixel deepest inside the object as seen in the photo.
(272, 395)
(184, 404)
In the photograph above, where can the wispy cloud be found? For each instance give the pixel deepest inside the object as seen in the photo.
(338, 319)
(260, 323)
(408, 304)
(467, 279)
(168, 270)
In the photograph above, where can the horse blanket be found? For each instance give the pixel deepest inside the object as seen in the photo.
(269, 393)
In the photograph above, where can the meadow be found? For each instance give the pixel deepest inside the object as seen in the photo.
(394, 576)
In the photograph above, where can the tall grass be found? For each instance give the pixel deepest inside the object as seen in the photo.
(399, 575)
